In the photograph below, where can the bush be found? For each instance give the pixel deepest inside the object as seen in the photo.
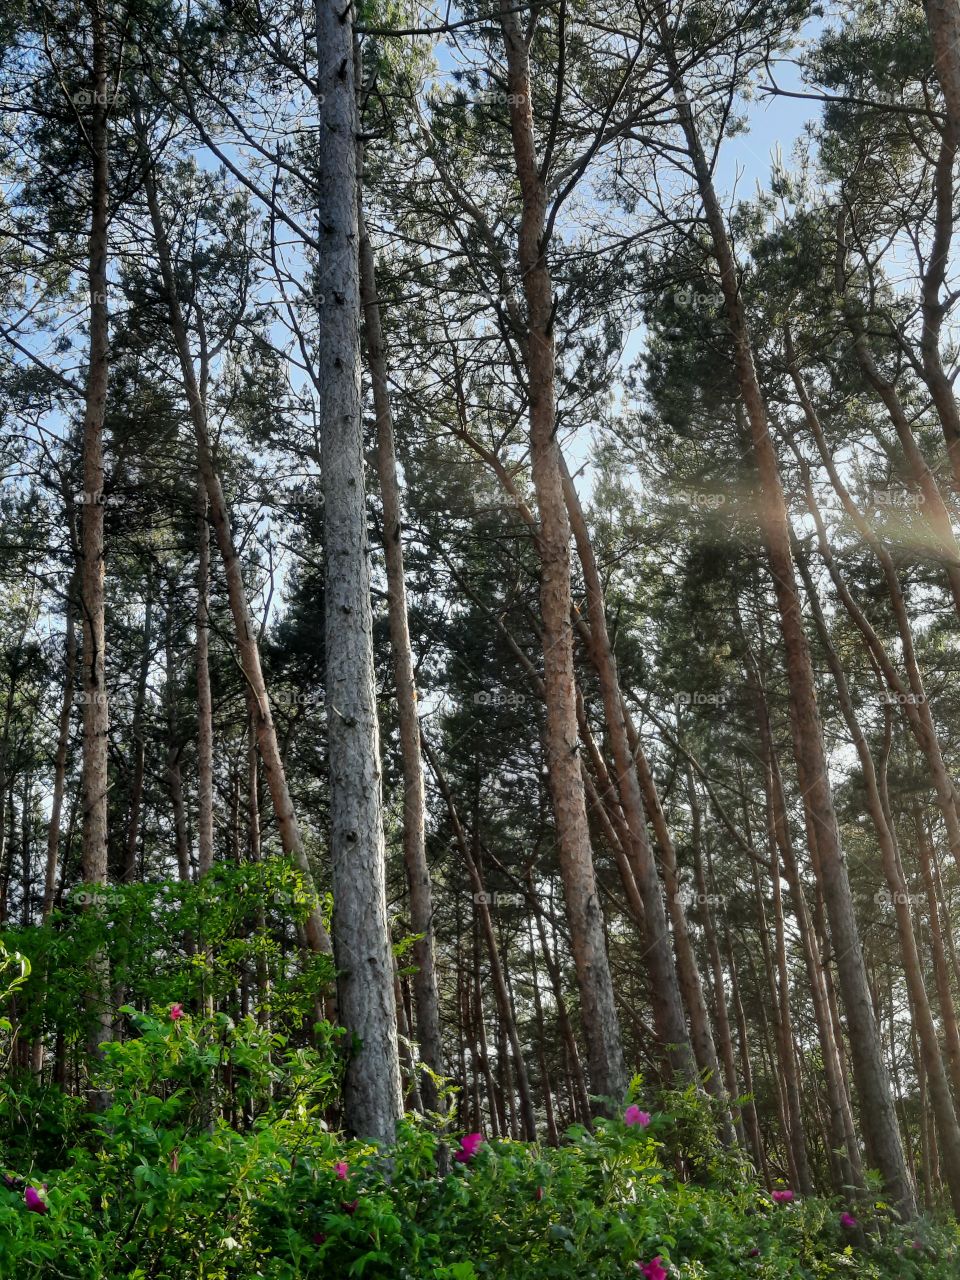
(214, 1160)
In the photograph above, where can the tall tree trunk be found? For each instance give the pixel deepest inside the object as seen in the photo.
(842, 1129)
(948, 1011)
(414, 834)
(597, 1004)
(204, 696)
(181, 843)
(63, 746)
(139, 745)
(372, 1099)
(482, 905)
(937, 1081)
(872, 1080)
(667, 980)
(721, 1019)
(96, 720)
(244, 626)
(943, 19)
(935, 307)
(553, 1134)
(750, 1118)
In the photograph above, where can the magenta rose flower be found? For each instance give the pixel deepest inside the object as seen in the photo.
(34, 1201)
(782, 1197)
(634, 1116)
(469, 1146)
(653, 1270)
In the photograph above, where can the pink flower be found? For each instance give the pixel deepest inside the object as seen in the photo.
(782, 1197)
(469, 1146)
(34, 1202)
(848, 1220)
(341, 1169)
(652, 1270)
(634, 1116)
(176, 1012)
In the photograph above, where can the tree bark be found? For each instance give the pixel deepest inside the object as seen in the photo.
(873, 1084)
(943, 19)
(60, 757)
(139, 745)
(667, 980)
(95, 712)
(597, 1003)
(204, 696)
(244, 626)
(96, 720)
(372, 1101)
(425, 993)
(482, 907)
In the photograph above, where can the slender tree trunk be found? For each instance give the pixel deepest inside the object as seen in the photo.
(873, 1084)
(948, 1011)
(937, 1080)
(94, 780)
(372, 1100)
(597, 1004)
(414, 834)
(580, 1095)
(181, 844)
(935, 308)
(553, 1133)
(776, 823)
(480, 1038)
(482, 907)
(842, 1129)
(204, 696)
(26, 847)
(244, 626)
(139, 745)
(721, 1019)
(750, 1118)
(943, 19)
(60, 757)
(667, 980)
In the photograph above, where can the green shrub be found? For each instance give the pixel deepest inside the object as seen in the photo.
(214, 1160)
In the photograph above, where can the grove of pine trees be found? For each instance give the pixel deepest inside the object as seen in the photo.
(479, 623)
